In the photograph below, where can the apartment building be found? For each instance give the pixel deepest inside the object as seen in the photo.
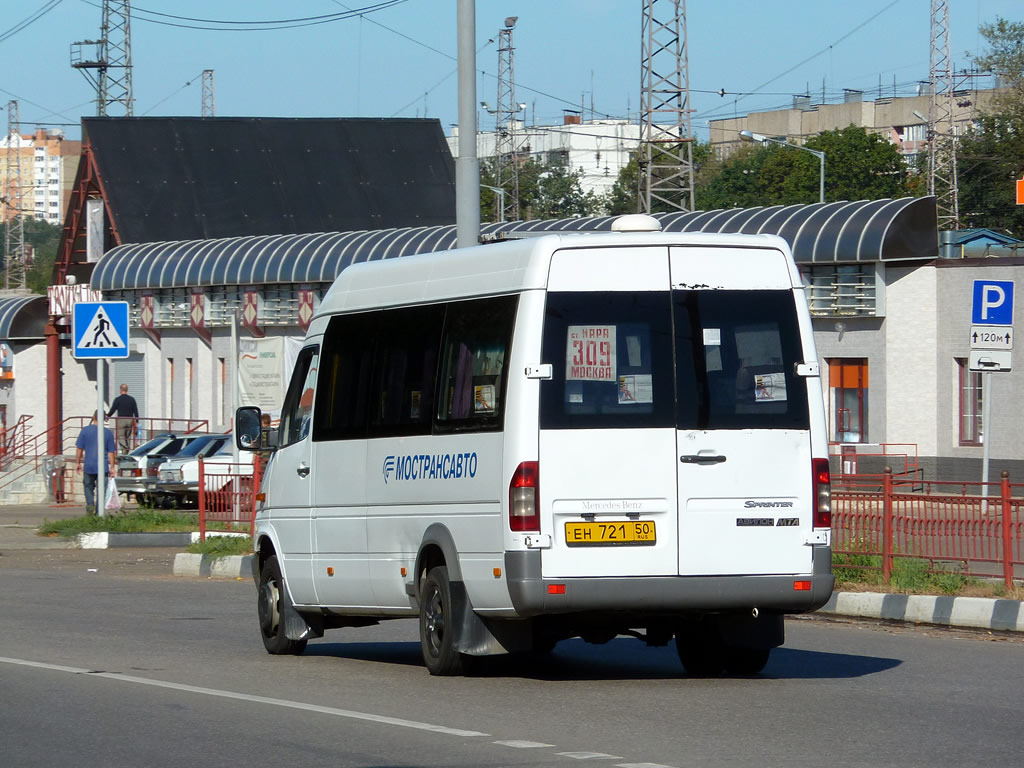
(600, 148)
(902, 120)
(46, 163)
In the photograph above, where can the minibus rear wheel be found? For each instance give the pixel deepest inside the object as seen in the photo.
(437, 624)
(746, 661)
(700, 651)
(272, 601)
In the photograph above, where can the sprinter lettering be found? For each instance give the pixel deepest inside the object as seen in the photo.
(423, 466)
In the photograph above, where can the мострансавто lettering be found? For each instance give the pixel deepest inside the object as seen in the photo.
(438, 466)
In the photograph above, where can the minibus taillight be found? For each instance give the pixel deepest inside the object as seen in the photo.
(822, 493)
(523, 498)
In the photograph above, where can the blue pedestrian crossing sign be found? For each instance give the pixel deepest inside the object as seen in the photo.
(99, 329)
(993, 302)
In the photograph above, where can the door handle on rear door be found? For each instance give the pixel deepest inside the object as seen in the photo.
(302, 470)
(698, 458)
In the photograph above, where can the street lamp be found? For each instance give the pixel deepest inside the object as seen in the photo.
(761, 139)
(501, 200)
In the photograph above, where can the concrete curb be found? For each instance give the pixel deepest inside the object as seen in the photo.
(106, 540)
(976, 612)
(229, 567)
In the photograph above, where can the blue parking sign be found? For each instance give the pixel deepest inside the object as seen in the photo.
(993, 302)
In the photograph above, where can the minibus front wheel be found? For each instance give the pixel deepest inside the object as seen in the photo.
(272, 607)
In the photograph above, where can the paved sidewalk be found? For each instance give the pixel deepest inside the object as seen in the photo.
(18, 525)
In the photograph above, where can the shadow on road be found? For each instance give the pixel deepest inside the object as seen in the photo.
(620, 659)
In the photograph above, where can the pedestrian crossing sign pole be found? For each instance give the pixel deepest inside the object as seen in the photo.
(99, 331)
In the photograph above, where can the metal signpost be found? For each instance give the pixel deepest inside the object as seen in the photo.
(991, 351)
(99, 331)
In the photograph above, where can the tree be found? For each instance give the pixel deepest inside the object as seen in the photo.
(625, 193)
(546, 191)
(43, 239)
(859, 165)
(991, 158)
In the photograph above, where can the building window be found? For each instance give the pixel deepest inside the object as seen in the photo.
(846, 290)
(970, 405)
(848, 400)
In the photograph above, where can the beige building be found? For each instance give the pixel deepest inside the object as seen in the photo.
(48, 163)
(901, 120)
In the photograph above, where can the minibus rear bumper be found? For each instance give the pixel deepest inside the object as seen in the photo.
(533, 595)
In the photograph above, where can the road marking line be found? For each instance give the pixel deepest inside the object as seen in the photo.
(519, 744)
(348, 713)
(588, 755)
(642, 765)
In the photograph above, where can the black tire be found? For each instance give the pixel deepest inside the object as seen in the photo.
(746, 661)
(437, 631)
(271, 600)
(701, 653)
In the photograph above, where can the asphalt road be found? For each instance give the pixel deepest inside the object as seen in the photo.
(124, 665)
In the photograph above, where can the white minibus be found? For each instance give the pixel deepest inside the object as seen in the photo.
(583, 435)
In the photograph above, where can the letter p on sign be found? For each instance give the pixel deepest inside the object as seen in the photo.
(993, 302)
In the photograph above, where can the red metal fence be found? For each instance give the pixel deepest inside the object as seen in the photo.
(227, 495)
(975, 528)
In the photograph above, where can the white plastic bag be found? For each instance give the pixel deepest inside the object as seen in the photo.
(113, 499)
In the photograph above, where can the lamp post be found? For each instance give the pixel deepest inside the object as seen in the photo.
(500, 201)
(761, 139)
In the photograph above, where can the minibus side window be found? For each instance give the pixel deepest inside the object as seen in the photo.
(611, 358)
(346, 364)
(476, 342)
(297, 410)
(404, 367)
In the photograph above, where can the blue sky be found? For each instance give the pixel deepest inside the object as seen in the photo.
(400, 62)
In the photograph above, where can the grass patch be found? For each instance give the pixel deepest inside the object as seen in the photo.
(910, 575)
(134, 521)
(221, 546)
(143, 520)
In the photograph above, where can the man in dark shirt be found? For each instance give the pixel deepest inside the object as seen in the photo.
(127, 412)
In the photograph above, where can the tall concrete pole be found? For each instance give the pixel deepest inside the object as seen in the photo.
(467, 166)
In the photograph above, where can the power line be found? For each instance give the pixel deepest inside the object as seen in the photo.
(213, 25)
(49, 6)
(330, 16)
(823, 51)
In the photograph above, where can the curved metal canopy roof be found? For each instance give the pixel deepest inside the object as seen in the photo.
(863, 231)
(22, 318)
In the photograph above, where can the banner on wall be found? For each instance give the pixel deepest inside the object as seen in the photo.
(261, 372)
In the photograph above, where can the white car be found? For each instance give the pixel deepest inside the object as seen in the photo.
(131, 467)
(178, 482)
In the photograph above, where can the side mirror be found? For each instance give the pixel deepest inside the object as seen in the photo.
(247, 428)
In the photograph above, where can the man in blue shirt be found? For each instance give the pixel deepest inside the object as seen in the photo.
(87, 445)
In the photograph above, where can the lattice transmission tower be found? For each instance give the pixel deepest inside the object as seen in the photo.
(666, 141)
(107, 62)
(506, 115)
(209, 107)
(14, 237)
(942, 180)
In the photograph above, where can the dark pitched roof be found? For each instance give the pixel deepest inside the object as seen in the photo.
(865, 231)
(184, 178)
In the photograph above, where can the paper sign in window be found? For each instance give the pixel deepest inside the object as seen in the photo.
(590, 353)
(636, 389)
(769, 387)
(483, 398)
